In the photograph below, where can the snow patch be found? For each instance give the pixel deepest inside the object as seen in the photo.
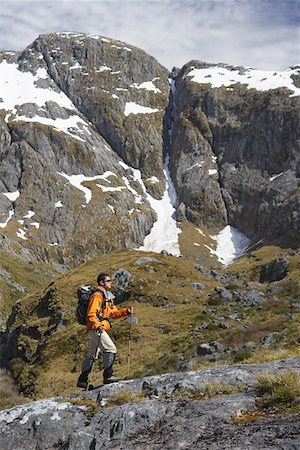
(275, 176)
(111, 189)
(153, 180)
(77, 180)
(198, 164)
(58, 204)
(137, 197)
(164, 233)
(21, 234)
(134, 108)
(18, 88)
(148, 85)
(4, 224)
(231, 244)
(104, 69)
(29, 214)
(64, 125)
(12, 196)
(35, 224)
(200, 231)
(261, 80)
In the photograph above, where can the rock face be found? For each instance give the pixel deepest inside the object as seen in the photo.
(234, 152)
(70, 109)
(161, 421)
(85, 124)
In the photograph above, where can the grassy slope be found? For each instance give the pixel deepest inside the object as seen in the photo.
(19, 276)
(54, 344)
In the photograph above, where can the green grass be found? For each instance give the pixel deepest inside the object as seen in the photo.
(279, 390)
(52, 345)
(9, 395)
(123, 396)
(209, 390)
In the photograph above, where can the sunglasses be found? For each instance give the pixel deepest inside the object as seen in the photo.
(108, 281)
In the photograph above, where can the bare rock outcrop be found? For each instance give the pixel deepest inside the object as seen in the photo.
(235, 151)
(161, 421)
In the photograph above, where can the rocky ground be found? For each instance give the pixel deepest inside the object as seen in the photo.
(161, 420)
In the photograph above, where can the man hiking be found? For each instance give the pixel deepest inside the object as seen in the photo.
(100, 310)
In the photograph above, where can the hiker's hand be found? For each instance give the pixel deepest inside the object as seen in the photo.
(130, 310)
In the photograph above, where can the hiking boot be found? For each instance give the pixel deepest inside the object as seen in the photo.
(111, 379)
(83, 380)
(85, 385)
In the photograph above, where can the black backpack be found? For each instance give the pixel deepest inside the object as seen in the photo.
(84, 293)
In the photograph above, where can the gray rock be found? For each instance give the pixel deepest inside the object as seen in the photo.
(295, 305)
(178, 284)
(268, 340)
(181, 212)
(224, 293)
(145, 260)
(159, 421)
(210, 348)
(274, 271)
(249, 345)
(198, 286)
(199, 268)
(122, 278)
(131, 320)
(249, 299)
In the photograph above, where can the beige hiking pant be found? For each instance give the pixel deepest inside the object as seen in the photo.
(104, 344)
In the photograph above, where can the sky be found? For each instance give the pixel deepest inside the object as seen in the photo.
(262, 34)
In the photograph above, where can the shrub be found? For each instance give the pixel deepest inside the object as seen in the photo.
(279, 390)
(8, 392)
(123, 396)
(209, 390)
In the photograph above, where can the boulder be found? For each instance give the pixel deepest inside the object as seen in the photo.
(274, 271)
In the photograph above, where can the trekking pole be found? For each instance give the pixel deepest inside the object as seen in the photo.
(129, 351)
(95, 357)
(131, 320)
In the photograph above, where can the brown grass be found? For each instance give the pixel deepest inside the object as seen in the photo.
(279, 390)
(9, 395)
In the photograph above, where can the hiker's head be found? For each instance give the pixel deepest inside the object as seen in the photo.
(104, 280)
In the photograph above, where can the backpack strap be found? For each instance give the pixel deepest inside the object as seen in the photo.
(99, 291)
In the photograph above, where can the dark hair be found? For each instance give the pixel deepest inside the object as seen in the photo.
(101, 277)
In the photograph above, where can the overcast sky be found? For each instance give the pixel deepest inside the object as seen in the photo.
(263, 34)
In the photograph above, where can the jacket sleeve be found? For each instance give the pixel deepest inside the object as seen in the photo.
(118, 313)
(93, 310)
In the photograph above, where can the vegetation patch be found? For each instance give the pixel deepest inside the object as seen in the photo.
(209, 390)
(123, 396)
(91, 406)
(277, 394)
(9, 395)
(280, 390)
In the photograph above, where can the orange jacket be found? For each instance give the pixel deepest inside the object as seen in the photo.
(97, 312)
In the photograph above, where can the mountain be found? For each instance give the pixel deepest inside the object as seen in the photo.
(87, 123)
(186, 183)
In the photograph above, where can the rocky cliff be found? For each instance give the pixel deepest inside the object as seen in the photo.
(169, 414)
(68, 114)
(86, 123)
(235, 149)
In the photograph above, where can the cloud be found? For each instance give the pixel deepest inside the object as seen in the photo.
(262, 34)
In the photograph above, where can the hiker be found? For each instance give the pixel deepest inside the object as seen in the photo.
(100, 310)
